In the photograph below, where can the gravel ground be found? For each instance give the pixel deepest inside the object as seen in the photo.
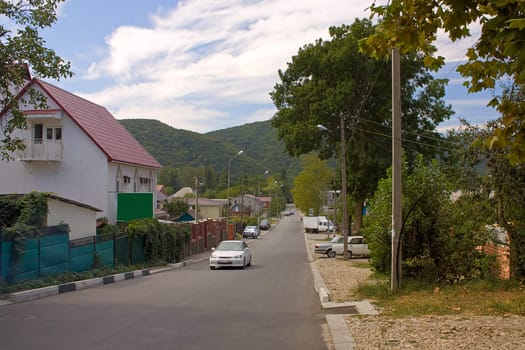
(429, 332)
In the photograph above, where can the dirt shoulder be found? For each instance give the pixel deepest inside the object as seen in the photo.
(342, 278)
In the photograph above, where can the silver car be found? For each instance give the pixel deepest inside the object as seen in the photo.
(326, 248)
(251, 231)
(356, 247)
(235, 253)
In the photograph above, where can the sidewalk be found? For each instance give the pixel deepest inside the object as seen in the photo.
(336, 312)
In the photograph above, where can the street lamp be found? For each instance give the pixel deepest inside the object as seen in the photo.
(277, 188)
(257, 199)
(228, 194)
(342, 159)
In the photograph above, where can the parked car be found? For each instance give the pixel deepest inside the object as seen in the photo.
(264, 225)
(326, 248)
(231, 253)
(356, 247)
(251, 231)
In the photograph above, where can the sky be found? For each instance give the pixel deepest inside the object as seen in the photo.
(205, 65)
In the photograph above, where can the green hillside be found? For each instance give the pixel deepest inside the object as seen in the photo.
(177, 148)
(259, 141)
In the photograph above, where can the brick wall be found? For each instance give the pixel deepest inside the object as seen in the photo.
(502, 253)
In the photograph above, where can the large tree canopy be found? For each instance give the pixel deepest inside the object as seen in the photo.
(330, 80)
(22, 47)
(499, 53)
(310, 185)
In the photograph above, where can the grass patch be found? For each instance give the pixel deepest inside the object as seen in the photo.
(361, 264)
(497, 298)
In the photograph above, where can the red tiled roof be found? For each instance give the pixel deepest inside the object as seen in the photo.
(104, 130)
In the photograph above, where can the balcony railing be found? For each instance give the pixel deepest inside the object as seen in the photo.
(39, 149)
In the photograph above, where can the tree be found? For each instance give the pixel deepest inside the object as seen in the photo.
(311, 184)
(177, 207)
(330, 80)
(498, 190)
(440, 237)
(22, 48)
(412, 26)
(169, 177)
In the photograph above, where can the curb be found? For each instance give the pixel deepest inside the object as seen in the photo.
(43, 292)
(341, 336)
(34, 294)
(319, 286)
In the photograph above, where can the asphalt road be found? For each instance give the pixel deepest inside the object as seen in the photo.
(270, 305)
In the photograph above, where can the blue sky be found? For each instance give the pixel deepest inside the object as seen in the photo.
(203, 65)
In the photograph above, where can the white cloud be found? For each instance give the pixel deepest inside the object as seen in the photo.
(203, 55)
(260, 115)
(199, 59)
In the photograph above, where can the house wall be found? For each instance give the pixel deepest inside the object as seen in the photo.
(82, 221)
(209, 212)
(84, 174)
(248, 201)
(79, 176)
(117, 174)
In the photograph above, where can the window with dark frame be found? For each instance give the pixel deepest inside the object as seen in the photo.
(38, 133)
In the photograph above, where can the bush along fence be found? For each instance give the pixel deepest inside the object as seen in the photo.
(138, 243)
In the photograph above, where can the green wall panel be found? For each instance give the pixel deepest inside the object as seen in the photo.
(134, 206)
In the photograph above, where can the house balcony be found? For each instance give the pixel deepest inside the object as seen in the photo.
(41, 150)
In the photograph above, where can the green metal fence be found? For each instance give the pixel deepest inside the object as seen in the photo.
(54, 253)
(82, 254)
(105, 250)
(121, 250)
(48, 254)
(137, 251)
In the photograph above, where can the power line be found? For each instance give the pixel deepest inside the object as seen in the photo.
(407, 132)
(406, 140)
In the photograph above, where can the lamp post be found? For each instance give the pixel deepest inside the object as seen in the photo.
(228, 194)
(277, 188)
(258, 201)
(342, 159)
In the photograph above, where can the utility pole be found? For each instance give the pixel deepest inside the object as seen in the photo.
(396, 172)
(229, 171)
(344, 221)
(342, 159)
(196, 199)
(257, 199)
(242, 202)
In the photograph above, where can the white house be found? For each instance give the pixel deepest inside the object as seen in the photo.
(208, 208)
(81, 218)
(77, 150)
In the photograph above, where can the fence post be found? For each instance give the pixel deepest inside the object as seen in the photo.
(1, 258)
(39, 258)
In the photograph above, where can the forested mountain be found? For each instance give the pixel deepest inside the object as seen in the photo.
(178, 148)
(259, 141)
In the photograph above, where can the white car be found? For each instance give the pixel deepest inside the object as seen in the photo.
(356, 247)
(235, 253)
(250, 231)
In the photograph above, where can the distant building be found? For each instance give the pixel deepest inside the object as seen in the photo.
(250, 204)
(209, 208)
(184, 192)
